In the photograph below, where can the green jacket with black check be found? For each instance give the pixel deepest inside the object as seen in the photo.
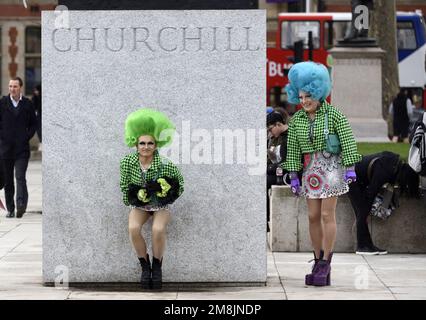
(299, 142)
(131, 173)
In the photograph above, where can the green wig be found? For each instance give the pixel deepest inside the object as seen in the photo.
(149, 122)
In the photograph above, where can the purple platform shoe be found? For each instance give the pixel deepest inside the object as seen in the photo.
(323, 273)
(308, 277)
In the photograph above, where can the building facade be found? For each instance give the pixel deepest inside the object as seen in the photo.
(20, 41)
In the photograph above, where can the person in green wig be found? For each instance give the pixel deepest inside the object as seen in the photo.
(149, 183)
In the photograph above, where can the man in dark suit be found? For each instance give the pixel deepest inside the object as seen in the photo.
(17, 126)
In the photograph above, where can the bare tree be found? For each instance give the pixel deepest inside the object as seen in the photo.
(383, 28)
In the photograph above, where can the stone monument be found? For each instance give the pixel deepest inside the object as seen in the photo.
(206, 71)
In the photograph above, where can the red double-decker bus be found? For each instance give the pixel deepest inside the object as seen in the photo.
(327, 28)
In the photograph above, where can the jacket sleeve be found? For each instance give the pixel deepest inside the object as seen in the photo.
(175, 173)
(124, 180)
(343, 129)
(32, 125)
(283, 149)
(294, 152)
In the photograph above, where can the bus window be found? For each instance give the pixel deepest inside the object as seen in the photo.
(335, 31)
(405, 36)
(292, 31)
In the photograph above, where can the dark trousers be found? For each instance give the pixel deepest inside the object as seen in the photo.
(362, 212)
(20, 167)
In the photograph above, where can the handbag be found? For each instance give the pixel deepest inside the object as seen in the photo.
(332, 142)
(386, 201)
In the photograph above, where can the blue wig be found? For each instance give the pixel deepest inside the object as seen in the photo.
(309, 77)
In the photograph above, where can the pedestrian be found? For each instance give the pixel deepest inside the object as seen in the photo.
(149, 183)
(322, 135)
(277, 127)
(17, 126)
(37, 106)
(372, 172)
(401, 109)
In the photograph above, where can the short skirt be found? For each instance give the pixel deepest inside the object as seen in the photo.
(323, 176)
(151, 208)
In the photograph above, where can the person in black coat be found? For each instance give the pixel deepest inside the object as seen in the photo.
(277, 150)
(372, 172)
(17, 126)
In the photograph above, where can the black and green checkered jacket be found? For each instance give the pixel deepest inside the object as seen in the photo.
(299, 142)
(131, 173)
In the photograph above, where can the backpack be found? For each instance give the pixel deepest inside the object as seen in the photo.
(417, 153)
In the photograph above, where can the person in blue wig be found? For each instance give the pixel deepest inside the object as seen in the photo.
(327, 168)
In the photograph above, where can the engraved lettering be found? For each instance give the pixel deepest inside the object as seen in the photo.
(79, 38)
(136, 40)
(230, 40)
(54, 40)
(121, 40)
(214, 38)
(185, 38)
(160, 42)
(248, 40)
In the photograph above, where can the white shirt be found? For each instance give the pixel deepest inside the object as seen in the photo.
(15, 103)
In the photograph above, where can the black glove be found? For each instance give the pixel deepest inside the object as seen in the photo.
(132, 195)
(152, 187)
(172, 194)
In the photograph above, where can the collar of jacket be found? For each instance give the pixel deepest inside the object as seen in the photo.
(156, 161)
(321, 110)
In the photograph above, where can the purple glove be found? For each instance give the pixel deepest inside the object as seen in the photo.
(350, 175)
(295, 184)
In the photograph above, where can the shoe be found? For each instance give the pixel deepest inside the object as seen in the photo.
(157, 275)
(380, 251)
(368, 251)
(146, 272)
(308, 277)
(10, 215)
(322, 277)
(20, 212)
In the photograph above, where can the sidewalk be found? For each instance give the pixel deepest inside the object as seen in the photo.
(390, 277)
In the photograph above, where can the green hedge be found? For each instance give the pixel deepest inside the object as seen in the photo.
(402, 149)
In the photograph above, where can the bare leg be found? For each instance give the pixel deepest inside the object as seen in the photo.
(328, 215)
(137, 218)
(315, 227)
(159, 227)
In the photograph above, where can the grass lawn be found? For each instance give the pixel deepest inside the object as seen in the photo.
(402, 149)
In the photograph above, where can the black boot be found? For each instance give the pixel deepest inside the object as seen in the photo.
(146, 272)
(157, 275)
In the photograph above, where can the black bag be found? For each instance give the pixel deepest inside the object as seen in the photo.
(386, 201)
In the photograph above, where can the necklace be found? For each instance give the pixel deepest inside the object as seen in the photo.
(143, 167)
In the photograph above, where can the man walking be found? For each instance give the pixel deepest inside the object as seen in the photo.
(17, 126)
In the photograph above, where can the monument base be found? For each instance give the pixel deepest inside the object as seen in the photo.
(357, 42)
(357, 90)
